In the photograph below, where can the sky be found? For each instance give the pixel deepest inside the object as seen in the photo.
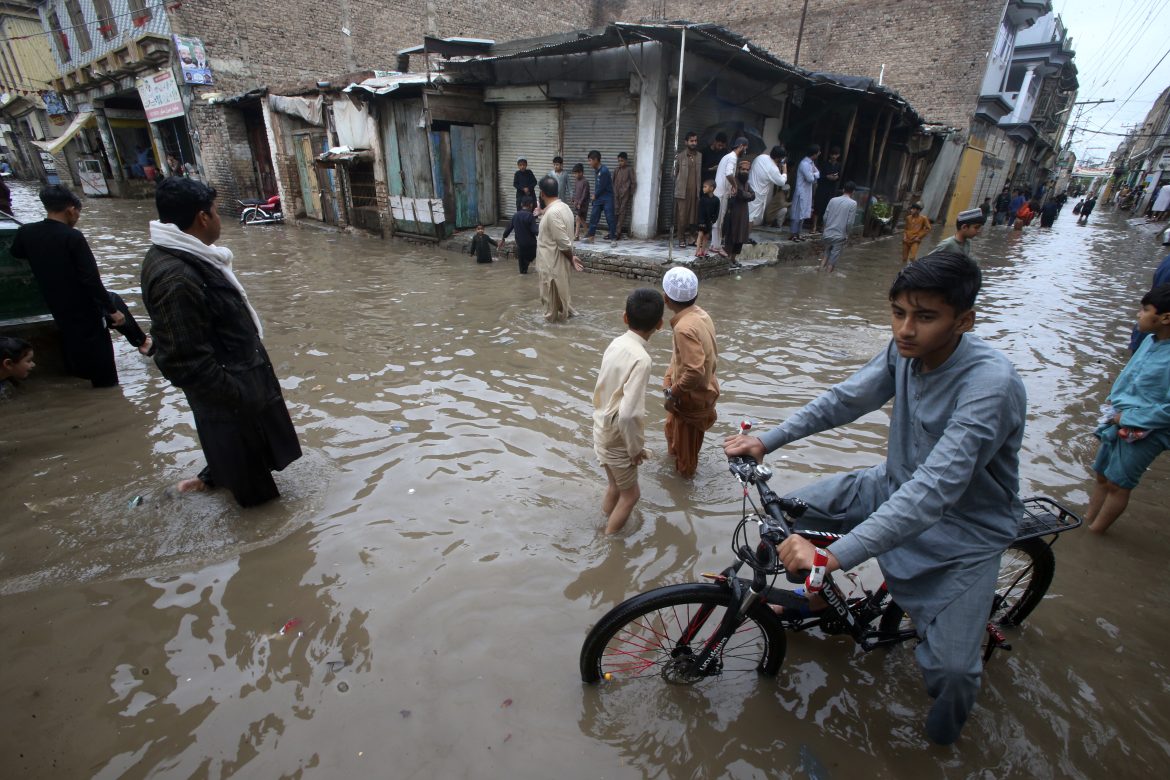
(1117, 43)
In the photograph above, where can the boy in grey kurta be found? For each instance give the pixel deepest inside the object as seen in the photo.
(940, 511)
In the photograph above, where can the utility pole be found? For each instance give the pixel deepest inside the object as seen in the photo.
(800, 34)
(1080, 109)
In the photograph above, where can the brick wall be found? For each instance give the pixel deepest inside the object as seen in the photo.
(934, 52)
(257, 43)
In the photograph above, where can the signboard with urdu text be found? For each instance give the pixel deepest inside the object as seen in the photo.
(160, 96)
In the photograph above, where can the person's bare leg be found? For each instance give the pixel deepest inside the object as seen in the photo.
(621, 512)
(1116, 500)
(1097, 498)
(611, 493)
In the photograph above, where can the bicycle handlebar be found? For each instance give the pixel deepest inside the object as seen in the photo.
(748, 471)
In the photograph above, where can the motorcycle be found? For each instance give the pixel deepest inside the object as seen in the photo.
(261, 212)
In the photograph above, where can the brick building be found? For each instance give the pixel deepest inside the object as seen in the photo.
(941, 56)
(289, 46)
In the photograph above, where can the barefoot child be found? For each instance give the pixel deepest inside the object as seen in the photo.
(1137, 425)
(917, 228)
(619, 402)
(708, 215)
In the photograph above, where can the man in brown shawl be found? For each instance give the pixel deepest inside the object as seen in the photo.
(554, 253)
(690, 386)
(688, 178)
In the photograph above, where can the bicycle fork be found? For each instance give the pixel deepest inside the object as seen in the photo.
(743, 597)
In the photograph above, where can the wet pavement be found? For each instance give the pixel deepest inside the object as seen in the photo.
(436, 558)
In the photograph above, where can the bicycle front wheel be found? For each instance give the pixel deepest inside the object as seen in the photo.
(658, 634)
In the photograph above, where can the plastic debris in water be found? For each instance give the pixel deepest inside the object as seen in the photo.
(410, 491)
(136, 501)
(289, 626)
(507, 703)
(335, 666)
(343, 686)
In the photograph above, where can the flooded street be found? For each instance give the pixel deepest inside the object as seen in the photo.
(440, 542)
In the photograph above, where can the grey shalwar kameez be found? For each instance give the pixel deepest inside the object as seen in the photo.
(940, 511)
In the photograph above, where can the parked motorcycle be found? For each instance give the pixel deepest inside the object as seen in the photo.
(261, 212)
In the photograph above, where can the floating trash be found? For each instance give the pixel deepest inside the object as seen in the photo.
(136, 501)
(289, 626)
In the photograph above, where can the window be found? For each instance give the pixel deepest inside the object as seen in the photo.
(59, 36)
(107, 24)
(77, 22)
(1003, 42)
(1015, 78)
(139, 12)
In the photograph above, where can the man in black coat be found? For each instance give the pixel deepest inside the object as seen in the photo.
(67, 274)
(207, 342)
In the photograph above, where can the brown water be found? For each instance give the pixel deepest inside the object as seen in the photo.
(439, 543)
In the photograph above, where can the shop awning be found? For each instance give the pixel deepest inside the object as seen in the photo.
(58, 143)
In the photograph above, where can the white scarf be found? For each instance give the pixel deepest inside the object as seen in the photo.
(169, 236)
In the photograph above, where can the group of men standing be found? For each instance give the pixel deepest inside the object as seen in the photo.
(812, 186)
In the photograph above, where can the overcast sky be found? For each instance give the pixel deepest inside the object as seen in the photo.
(1117, 43)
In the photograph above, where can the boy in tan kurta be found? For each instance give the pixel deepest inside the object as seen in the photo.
(554, 253)
(690, 386)
(619, 404)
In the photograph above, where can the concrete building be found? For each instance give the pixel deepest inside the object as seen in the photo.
(1148, 156)
(28, 112)
(952, 61)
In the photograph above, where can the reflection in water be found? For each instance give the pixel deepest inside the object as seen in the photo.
(440, 542)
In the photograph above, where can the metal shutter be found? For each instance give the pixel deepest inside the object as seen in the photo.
(528, 130)
(605, 120)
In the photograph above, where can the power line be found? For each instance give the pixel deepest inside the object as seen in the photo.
(1135, 89)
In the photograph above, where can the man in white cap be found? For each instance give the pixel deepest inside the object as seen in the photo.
(690, 386)
(725, 187)
(554, 253)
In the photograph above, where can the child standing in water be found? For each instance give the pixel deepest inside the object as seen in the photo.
(619, 403)
(1136, 428)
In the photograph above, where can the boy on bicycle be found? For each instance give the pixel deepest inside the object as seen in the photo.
(619, 404)
(942, 508)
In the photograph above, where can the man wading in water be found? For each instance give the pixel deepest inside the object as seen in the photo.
(207, 343)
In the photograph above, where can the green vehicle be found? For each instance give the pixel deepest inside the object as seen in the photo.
(22, 309)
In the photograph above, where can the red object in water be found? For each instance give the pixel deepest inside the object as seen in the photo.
(289, 626)
(745, 426)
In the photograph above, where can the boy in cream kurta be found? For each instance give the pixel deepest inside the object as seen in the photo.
(619, 403)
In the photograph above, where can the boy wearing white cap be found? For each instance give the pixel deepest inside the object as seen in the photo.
(619, 406)
(690, 386)
(967, 226)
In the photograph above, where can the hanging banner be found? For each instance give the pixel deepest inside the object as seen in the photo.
(193, 59)
(160, 96)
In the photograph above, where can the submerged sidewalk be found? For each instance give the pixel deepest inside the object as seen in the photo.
(649, 259)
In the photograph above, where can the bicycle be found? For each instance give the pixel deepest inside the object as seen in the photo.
(674, 631)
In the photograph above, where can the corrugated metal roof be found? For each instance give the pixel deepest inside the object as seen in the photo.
(709, 40)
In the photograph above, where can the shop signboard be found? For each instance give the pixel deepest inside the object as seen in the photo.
(160, 96)
(193, 60)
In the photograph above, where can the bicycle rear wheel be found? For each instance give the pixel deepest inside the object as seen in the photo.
(1025, 572)
(657, 633)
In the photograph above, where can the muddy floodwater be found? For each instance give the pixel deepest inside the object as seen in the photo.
(436, 557)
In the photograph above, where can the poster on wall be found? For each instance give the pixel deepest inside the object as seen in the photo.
(193, 59)
(160, 96)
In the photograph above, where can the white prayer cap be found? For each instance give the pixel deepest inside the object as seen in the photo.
(680, 284)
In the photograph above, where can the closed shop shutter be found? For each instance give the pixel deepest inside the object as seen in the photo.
(605, 120)
(528, 130)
